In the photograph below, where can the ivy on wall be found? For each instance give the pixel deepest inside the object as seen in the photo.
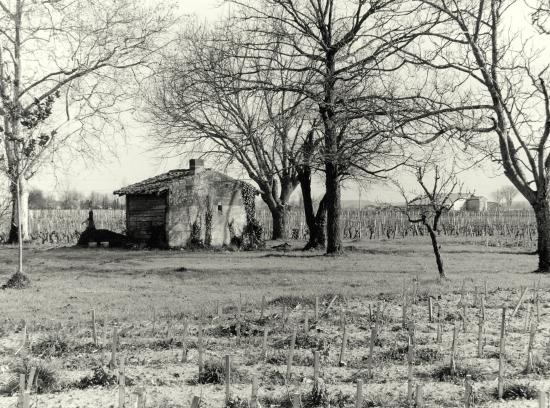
(252, 237)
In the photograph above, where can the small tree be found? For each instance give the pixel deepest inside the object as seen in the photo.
(440, 190)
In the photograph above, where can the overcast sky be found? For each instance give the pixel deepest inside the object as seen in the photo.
(136, 159)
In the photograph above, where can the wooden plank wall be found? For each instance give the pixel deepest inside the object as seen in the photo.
(145, 214)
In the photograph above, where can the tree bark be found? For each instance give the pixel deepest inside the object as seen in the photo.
(24, 205)
(542, 216)
(318, 238)
(332, 173)
(316, 223)
(437, 254)
(333, 203)
(280, 219)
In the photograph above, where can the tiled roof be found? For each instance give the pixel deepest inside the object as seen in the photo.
(155, 184)
(162, 182)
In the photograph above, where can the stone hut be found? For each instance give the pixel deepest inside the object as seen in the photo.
(476, 204)
(185, 206)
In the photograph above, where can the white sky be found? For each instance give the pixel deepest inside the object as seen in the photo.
(136, 160)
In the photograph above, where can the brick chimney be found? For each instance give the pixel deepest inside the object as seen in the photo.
(196, 165)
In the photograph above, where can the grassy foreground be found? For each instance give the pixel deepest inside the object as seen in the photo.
(68, 282)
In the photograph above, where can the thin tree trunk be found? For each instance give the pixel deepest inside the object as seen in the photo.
(542, 216)
(19, 206)
(304, 176)
(437, 254)
(19, 224)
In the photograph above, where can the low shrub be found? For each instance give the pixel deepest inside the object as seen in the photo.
(515, 391)
(214, 373)
(51, 346)
(444, 374)
(100, 377)
(45, 378)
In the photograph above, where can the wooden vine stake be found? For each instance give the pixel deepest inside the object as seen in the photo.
(527, 322)
(291, 354)
(468, 392)
(341, 360)
(419, 396)
(410, 378)
(480, 338)
(370, 361)
(316, 308)
(296, 401)
(439, 336)
(262, 307)
(453, 350)
(542, 399)
(502, 359)
(462, 292)
(264, 344)
(227, 378)
(200, 350)
(316, 369)
(520, 301)
(114, 341)
(430, 309)
(184, 342)
(94, 331)
(30, 382)
(141, 398)
(121, 384)
(529, 367)
(196, 402)
(464, 318)
(359, 394)
(238, 325)
(24, 397)
(404, 312)
(254, 393)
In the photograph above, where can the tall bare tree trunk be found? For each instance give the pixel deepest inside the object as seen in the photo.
(333, 203)
(332, 176)
(542, 216)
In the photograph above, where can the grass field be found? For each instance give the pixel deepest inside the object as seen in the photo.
(148, 294)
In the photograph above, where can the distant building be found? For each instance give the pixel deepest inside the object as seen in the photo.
(476, 204)
(162, 210)
(456, 201)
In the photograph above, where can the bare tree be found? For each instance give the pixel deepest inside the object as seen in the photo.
(70, 55)
(477, 48)
(498, 196)
(203, 102)
(505, 195)
(439, 192)
(349, 49)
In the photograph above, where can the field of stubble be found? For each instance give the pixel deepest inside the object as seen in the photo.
(151, 297)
